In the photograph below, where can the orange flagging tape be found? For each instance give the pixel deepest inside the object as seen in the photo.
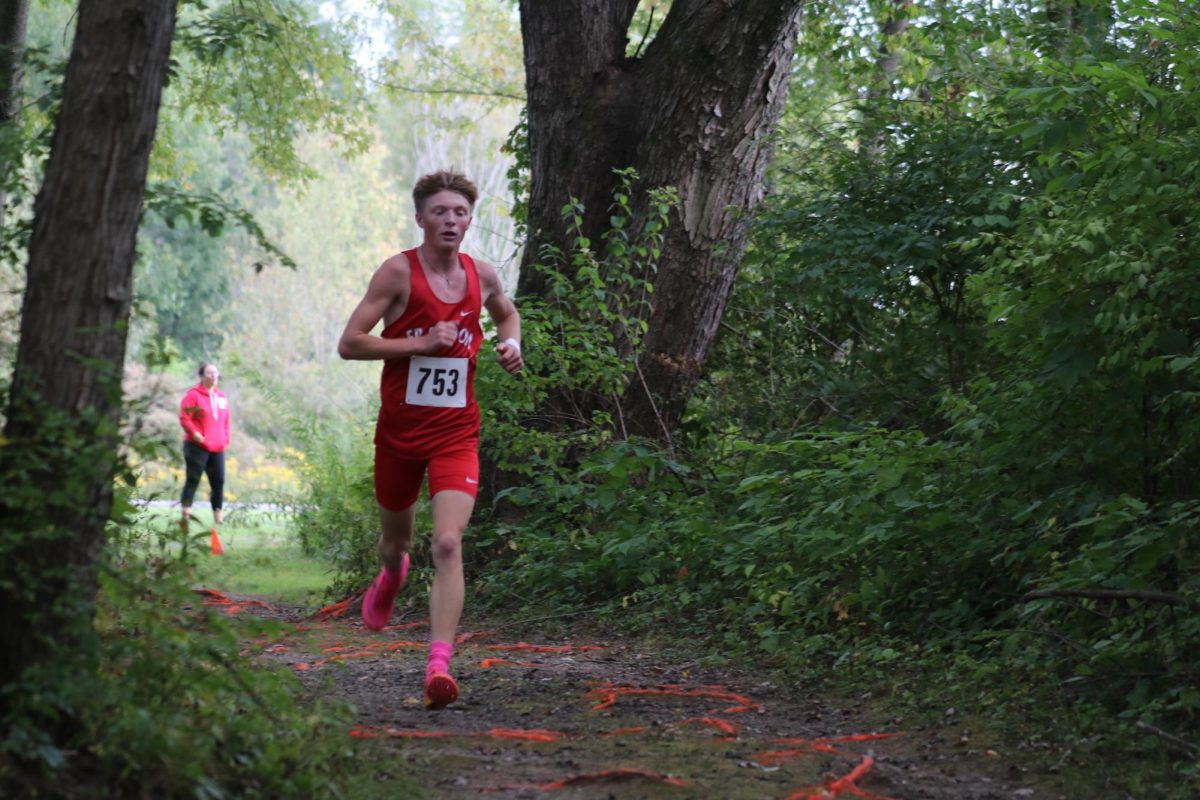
(213, 597)
(467, 636)
(337, 609)
(545, 648)
(853, 737)
(407, 626)
(819, 745)
(847, 784)
(626, 731)
(724, 726)
(532, 735)
(373, 649)
(771, 757)
(505, 662)
(342, 607)
(607, 695)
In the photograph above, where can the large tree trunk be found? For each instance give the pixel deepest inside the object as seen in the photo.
(58, 461)
(14, 16)
(696, 112)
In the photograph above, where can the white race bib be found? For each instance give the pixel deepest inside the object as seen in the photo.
(222, 403)
(438, 382)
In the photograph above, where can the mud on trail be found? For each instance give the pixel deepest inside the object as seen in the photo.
(585, 718)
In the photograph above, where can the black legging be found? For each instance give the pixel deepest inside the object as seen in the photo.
(201, 462)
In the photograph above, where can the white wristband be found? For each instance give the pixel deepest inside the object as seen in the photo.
(513, 343)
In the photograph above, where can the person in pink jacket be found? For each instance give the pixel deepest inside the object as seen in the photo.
(204, 415)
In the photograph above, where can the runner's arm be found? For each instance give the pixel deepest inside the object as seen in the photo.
(187, 417)
(504, 313)
(389, 287)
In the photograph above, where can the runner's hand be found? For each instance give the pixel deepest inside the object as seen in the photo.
(440, 336)
(199, 437)
(509, 356)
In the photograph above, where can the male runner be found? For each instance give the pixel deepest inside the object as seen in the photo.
(429, 301)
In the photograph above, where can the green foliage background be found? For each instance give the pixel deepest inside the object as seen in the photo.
(959, 367)
(947, 436)
(948, 429)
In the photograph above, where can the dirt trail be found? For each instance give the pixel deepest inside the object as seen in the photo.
(585, 718)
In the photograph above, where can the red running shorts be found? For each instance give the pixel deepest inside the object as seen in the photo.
(398, 479)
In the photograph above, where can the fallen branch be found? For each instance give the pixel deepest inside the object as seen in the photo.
(1183, 745)
(1113, 594)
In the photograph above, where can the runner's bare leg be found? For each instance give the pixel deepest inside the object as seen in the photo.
(397, 527)
(451, 513)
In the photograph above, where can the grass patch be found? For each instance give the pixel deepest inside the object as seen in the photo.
(282, 574)
(262, 557)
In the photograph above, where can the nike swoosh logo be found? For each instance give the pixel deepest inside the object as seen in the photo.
(472, 480)
(465, 313)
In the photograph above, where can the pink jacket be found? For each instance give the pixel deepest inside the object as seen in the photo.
(206, 414)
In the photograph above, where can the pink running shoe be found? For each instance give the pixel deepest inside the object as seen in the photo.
(440, 690)
(381, 597)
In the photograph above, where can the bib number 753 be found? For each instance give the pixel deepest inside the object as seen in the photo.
(437, 382)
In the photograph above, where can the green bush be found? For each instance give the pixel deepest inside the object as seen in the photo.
(168, 707)
(873, 543)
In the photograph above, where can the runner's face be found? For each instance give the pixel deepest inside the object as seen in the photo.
(445, 218)
(209, 379)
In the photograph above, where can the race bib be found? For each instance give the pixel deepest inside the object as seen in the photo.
(438, 382)
(222, 403)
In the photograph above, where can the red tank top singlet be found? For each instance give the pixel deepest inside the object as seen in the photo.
(428, 403)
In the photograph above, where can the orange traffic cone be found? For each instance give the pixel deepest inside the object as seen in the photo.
(214, 543)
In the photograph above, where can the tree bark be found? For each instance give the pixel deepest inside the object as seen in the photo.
(14, 17)
(60, 447)
(696, 112)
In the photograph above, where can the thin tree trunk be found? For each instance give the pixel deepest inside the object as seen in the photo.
(14, 16)
(61, 448)
(696, 112)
